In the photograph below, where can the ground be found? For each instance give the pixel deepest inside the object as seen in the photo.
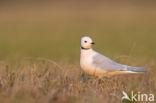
(43, 80)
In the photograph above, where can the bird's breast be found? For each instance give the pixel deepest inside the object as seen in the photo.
(86, 64)
(89, 68)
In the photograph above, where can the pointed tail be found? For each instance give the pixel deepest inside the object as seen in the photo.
(137, 69)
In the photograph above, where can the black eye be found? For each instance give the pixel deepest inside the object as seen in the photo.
(85, 41)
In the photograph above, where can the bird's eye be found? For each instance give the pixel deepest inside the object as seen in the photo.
(85, 41)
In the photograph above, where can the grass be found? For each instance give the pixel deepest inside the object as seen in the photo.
(42, 80)
(40, 49)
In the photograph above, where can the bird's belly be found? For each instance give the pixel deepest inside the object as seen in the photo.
(99, 73)
(91, 70)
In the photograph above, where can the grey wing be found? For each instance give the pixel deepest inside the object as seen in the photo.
(108, 65)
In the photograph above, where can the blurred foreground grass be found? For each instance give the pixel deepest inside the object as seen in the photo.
(42, 80)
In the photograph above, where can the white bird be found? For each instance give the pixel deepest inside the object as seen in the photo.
(99, 65)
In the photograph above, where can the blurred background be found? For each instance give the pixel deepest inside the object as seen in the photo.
(53, 29)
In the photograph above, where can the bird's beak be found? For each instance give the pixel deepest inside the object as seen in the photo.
(92, 43)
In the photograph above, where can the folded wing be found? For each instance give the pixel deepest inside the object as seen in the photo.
(106, 64)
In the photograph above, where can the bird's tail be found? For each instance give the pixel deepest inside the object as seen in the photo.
(137, 69)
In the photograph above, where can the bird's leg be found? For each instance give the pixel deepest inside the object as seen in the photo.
(99, 81)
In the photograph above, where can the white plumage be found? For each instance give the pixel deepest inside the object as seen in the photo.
(99, 65)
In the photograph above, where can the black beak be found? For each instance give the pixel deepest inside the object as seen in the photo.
(92, 43)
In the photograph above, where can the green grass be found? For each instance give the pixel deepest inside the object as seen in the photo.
(40, 41)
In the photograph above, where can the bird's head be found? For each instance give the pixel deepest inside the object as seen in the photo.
(86, 42)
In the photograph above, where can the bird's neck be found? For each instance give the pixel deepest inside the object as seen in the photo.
(86, 52)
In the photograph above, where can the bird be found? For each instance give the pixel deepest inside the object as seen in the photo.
(96, 64)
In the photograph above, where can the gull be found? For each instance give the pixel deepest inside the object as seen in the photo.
(96, 64)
